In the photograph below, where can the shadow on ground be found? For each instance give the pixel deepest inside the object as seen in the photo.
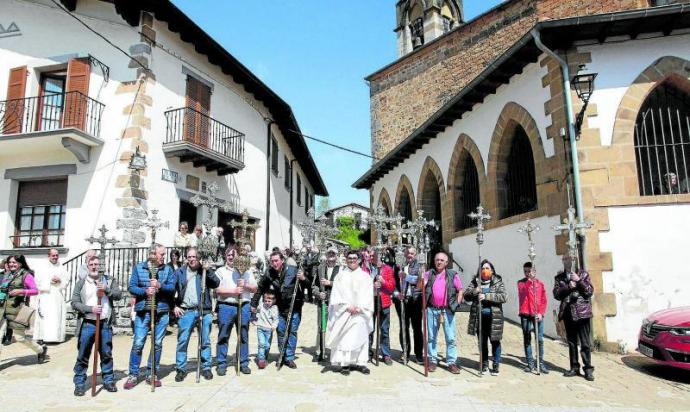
(649, 367)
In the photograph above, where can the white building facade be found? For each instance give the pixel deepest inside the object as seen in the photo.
(499, 143)
(76, 109)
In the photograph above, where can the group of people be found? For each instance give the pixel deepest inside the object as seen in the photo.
(358, 295)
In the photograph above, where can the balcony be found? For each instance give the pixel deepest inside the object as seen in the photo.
(41, 238)
(51, 122)
(195, 137)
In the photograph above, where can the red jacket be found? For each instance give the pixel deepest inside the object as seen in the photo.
(387, 286)
(532, 297)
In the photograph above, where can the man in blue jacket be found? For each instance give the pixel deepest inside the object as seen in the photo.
(142, 287)
(188, 302)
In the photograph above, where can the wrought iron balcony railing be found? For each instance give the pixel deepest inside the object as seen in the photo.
(54, 111)
(38, 238)
(188, 126)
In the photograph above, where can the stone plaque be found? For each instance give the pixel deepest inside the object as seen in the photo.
(192, 183)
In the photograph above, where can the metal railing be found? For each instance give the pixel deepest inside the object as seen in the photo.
(52, 111)
(38, 238)
(192, 126)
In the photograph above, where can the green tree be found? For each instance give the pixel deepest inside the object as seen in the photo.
(348, 232)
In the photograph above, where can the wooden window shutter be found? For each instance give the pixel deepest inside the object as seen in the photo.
(77, 93)
(13, 117)
(198, 105)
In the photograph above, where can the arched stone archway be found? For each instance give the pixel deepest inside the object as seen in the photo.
(385, 201)
(466, 155)
(513, 121)
(431, 198)
(404, 199)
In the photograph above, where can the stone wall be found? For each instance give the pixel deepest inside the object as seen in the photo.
(409, 91)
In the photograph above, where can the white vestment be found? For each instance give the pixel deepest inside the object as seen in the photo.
(348, 334)
(52, 310)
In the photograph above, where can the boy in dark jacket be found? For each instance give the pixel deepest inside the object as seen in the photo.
(85, 302)
(575, 290)
(532, 298)
(488, 289)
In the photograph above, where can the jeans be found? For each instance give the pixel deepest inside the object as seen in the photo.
(527, 324)
(495, 344)
(87, 339)
(264, 336)
(385, 329)
(227, 318)
(292, 336)
(142, 324)
(187, 322)
(432, 318)
(579, 332)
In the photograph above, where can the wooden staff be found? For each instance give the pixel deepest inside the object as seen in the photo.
(97, 344)
(289, 318)
(238, 347)
(322, 318)
(200, 322)
(536, 328)
(153, 272)
(377, 325)
(420, 285)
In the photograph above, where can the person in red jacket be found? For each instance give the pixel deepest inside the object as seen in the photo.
(532, 298)
(385, 284)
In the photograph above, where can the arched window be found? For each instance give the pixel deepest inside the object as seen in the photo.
(431, 205)
(662, 142)
(416, 18)
(405, 205)
(466, 192)
(519, 182)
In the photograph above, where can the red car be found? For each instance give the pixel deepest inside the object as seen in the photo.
(665, 337)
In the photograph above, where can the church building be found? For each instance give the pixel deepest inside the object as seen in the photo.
(532, 107)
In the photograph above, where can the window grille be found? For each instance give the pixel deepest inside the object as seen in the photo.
(417, 31)
(520, 181)
(466, 193)
(662, 142)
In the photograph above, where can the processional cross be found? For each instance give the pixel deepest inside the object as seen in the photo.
(243, 261)
(480, 217)
(529, 228)
(573, 228)
(378, 222)
(208, 244)
(420, 235)
(102, 241)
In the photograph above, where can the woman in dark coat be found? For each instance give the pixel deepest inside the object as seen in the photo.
(488, 288)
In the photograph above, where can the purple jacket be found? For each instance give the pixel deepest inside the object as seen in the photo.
(578, 300)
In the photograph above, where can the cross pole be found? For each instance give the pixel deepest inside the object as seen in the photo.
(102, 241)
(243, 261)
(528, 229)
(208, 245)
(153, 223)
(378, 222)
(573, 229)
(420, 235)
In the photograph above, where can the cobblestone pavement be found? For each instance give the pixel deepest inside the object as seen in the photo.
(629, 382)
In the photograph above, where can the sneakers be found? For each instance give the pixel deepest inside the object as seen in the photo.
(221, 371)
(419, 360)
(131, 382)
(432, 367)
(206, 373)
(179, 376)
(589, 374)
(529, 368)
(261, 363)
(387, 360)
(543, 369)
(494, 370)
(453, 368)
(485, 367)
(44, 353)
(290, 364)
(79, 391)
(157, 382)
(110, 387)
(245, 370)
(572, 372)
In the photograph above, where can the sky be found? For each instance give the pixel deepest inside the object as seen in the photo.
(315, 55)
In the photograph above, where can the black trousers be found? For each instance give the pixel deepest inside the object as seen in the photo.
(413, 317)
(579, 332)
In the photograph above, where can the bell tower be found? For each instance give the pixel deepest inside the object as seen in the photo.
(421, 21)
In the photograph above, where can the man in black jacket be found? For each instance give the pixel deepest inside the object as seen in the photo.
(281, 278)
(411, 295)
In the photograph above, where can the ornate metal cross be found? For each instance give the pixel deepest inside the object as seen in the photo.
(420, 234)
(102, 241)
(573, 228)
(480, 217)
(154, 223)
(245, 227)
(378, 221)
(529, 228)
(398, 231)
(208, 244)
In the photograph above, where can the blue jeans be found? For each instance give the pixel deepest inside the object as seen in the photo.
(87, 338)
(142, 323)
(495, 344)
(292, 336)
(432, 319)
(527, 324)
(264, 336)
(187, 322)
(385, 329)
(227, 318)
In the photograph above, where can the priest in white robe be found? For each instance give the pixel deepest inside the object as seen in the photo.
(52, 280)
(350, 317)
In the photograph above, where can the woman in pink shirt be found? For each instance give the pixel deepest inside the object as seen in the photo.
(16, 286)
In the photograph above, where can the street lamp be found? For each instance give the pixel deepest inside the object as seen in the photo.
(584, 87)
(138, 161)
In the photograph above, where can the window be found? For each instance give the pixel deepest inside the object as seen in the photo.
(41, 208)
(662, 142)
(52, 100)
(466, 192)
(519, 182)
(196, 116)
(286, 177)
(306, 199)
(417, 31)
(274, 155)
(358, 220)
(298, 190)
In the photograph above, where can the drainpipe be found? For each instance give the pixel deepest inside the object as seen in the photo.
(571, 132)
(268, 182)
(291, 205)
